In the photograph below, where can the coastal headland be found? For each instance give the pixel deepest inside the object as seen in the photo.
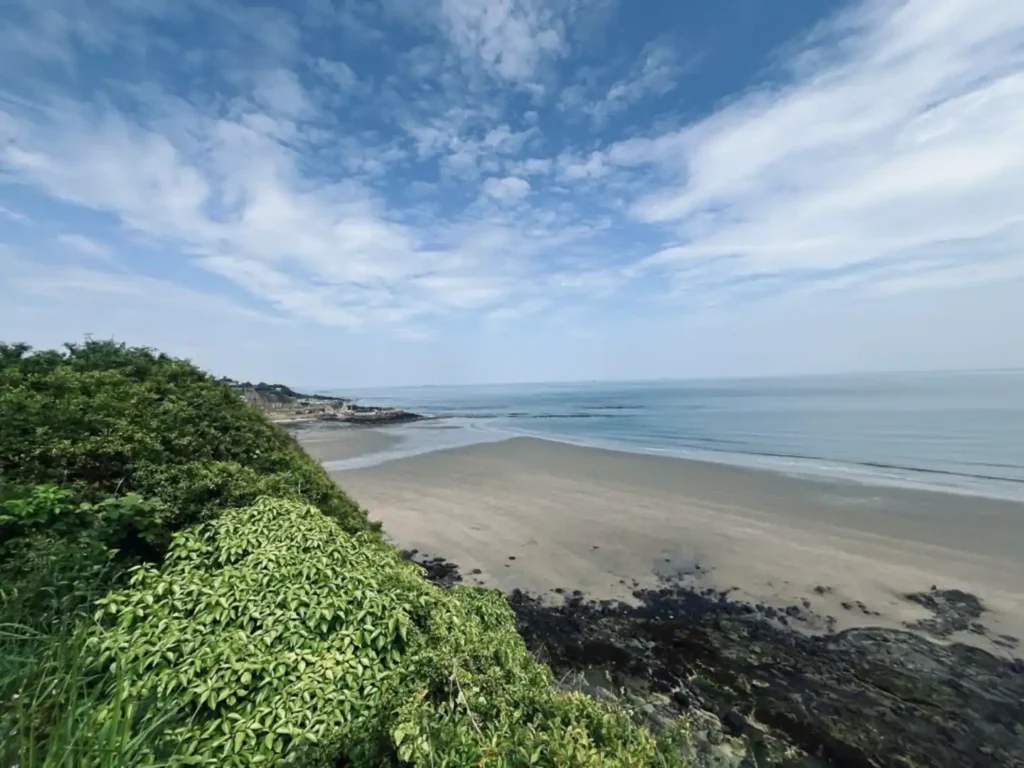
(283, 405)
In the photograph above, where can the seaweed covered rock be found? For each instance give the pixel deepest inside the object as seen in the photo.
(855, 699)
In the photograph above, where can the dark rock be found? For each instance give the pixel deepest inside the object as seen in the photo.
(734, 722)
(953, 611)
(360, 415)
(858, 699)
(848, 606)
(792, 610)
(437, 569)
(476, 571)
(823, 590)
(511, 557)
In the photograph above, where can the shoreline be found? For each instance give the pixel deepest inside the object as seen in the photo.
(859, 625)
(644, 518)
(797, 467)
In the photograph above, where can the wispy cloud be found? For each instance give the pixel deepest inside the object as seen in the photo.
(15, 216)
(338, 72)
(420, 167)
(508, 39)
(84, 244)
(900, 144)
(655, 72)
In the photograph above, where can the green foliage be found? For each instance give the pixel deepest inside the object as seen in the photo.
(105, 452)
(181, 585)
(287, 639)
(49, 721)
(104, 419)
(53, 510)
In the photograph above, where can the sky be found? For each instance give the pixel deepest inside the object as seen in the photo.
(353, 193)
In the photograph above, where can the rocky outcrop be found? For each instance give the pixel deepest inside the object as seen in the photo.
(286, 406)
(857, 699)
(374, 416)
(753, 693)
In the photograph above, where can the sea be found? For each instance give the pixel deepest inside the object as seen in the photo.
(958, 432)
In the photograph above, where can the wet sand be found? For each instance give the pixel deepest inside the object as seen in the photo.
(539, 515)
(340, 442)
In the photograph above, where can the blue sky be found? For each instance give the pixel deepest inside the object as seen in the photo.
(356, 192)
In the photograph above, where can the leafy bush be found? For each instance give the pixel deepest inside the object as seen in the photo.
(279, 632)
(105, 452)
(180, 584)
(104, 419)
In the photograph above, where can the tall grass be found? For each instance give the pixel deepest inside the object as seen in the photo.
(57, 713)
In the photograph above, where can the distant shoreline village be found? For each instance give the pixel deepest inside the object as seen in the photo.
(283, 405)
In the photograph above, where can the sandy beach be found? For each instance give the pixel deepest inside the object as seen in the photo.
(342, 442)
(543, 516)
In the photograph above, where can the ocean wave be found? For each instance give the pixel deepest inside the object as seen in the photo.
(810, 466)
(496, 415)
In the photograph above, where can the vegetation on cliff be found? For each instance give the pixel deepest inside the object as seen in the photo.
(182, 585)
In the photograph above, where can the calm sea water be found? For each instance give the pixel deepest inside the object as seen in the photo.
(959, 432)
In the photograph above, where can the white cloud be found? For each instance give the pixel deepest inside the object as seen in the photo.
(84, 244)
(905, 143)
(67, 286)
(508, 188)
(241, 208)
(236, 199)
(15, 216)
(887, 164)
(280, 93)
(574, 168)
(532, 166)
(467, 151)
(506, 141)
(337, 72)
(508, 39)
(655, 74)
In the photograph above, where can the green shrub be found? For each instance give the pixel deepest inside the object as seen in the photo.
(180, 585)
(280, 632)
(104, 419)
(105, 452)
